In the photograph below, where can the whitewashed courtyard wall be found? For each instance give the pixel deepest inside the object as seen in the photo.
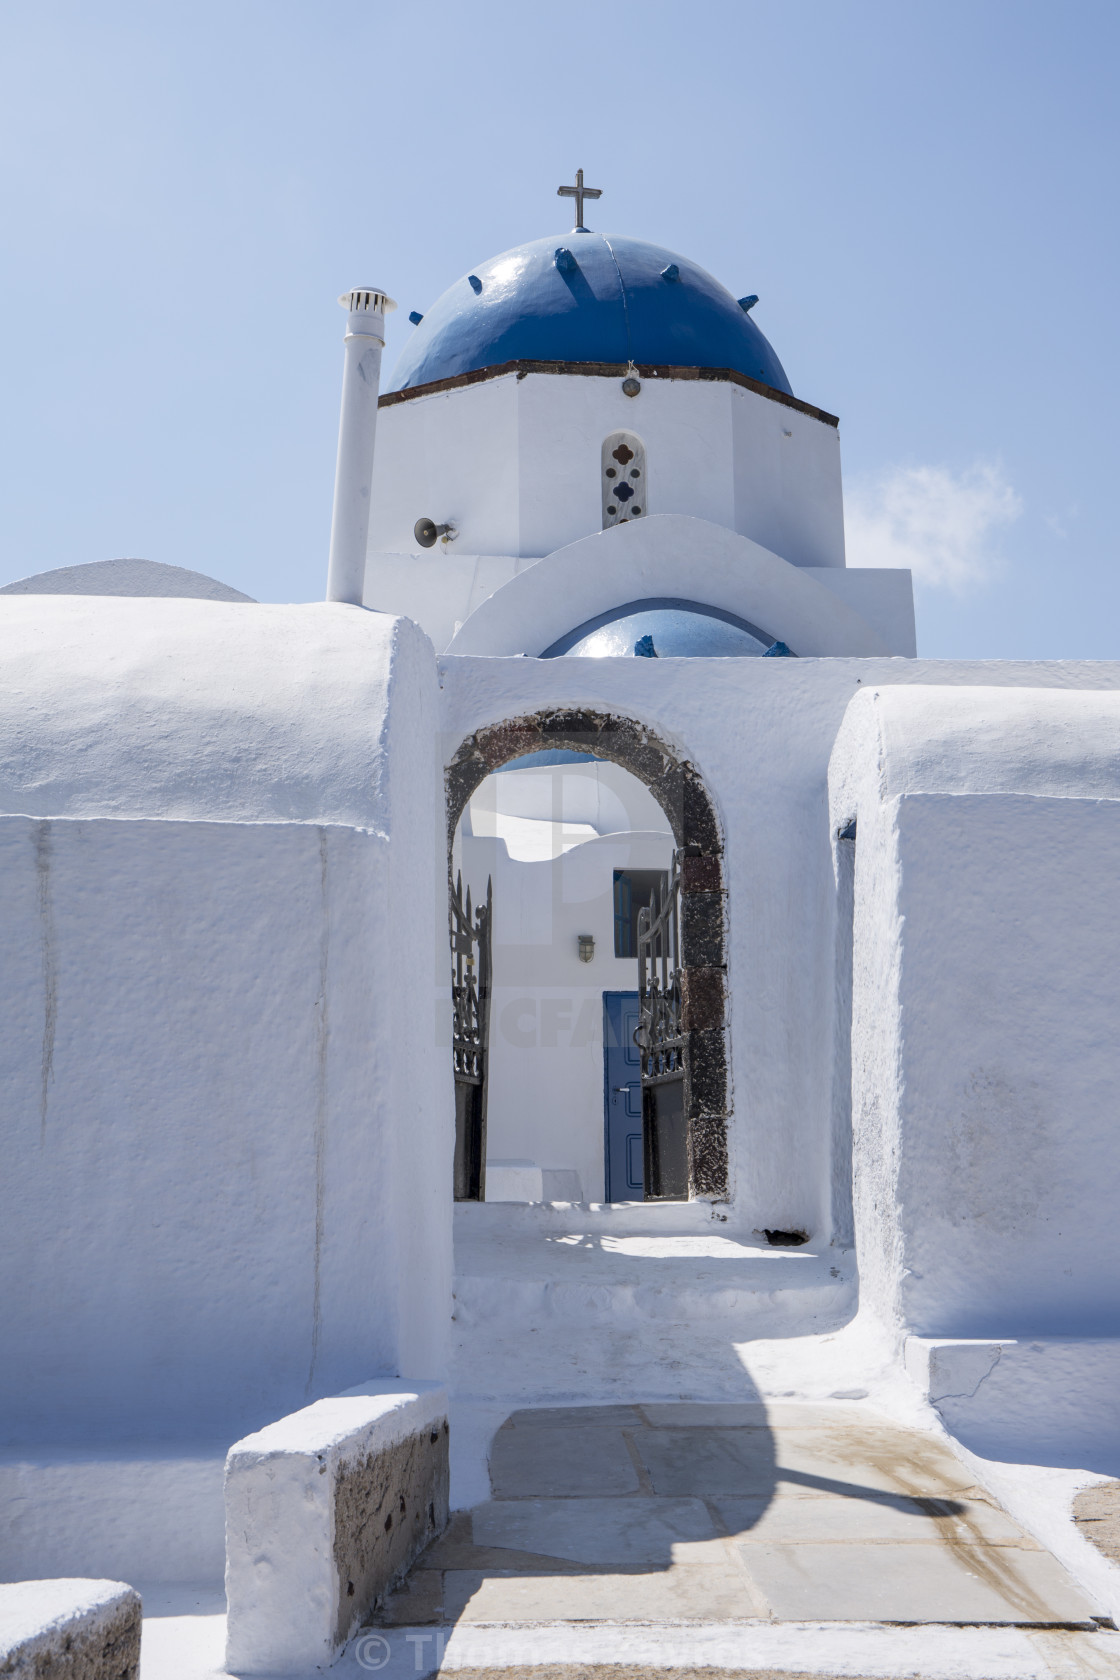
(985, 997)
(227, 1138)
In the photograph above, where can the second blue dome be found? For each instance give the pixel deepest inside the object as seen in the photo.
(584, 297)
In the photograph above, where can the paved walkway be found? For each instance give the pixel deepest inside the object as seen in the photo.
(730, 1513)
(674, 1541)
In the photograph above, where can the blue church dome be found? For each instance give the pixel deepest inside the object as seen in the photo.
(583, 297)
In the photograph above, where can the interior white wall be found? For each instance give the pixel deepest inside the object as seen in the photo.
(514, 464)
(228, 1139)
(545, 1093)
(760, 733)
(596, 795)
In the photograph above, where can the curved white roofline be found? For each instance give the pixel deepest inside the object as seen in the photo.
(669, 554)
(936, 739)
(205, 711)
(126, 577)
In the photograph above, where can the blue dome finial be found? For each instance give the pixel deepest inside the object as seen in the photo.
(579, 192)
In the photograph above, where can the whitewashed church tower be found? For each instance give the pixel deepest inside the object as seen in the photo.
(587, 430)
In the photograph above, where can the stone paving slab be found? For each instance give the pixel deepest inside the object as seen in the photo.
(714, 1462)
(711, 1592)
(793, 1516)
(635, 1514)
(708, 1462)
(856, 1582)
(576, 1417)
(756, 1414)
(640, 1533)
(527, 1462)
(457, 1548)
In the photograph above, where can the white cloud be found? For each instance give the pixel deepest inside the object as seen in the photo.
(943, 525)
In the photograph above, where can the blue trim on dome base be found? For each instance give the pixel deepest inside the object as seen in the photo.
(615, 301)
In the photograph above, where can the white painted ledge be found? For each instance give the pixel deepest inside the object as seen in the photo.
(1048, 1401)
(112, 1512)
(828, 1650)
(324, 1510)
(514, 1181)
(524, 1181)
(86, 1629)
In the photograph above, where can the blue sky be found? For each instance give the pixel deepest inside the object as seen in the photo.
(923, 196)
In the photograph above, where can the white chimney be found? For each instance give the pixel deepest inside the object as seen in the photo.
(361, 380)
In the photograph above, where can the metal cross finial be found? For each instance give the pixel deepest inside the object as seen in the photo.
(579, 192)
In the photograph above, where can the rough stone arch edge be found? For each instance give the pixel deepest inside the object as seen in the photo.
(683, 797)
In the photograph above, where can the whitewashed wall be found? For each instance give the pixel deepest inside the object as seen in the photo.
(227, 1137)
(760, 733)
(986, 992)
(515, 464)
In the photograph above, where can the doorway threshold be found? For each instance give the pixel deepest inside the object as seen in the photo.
(595, 1218)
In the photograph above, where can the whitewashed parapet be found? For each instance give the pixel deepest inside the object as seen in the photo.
(325, 1509)
(1049, 1400)
(69, 1630)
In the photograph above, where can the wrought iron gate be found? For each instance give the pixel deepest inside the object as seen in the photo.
(470, 996)
(661, 1038)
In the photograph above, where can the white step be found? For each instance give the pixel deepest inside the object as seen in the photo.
(566, 1302)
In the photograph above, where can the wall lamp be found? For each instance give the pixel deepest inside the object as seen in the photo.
(586, 944)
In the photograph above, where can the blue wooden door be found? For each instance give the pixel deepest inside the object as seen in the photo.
(623, 1097)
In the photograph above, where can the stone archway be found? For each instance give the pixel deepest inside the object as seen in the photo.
(683, 797)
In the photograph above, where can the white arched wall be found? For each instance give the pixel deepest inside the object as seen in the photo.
(667, 555)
